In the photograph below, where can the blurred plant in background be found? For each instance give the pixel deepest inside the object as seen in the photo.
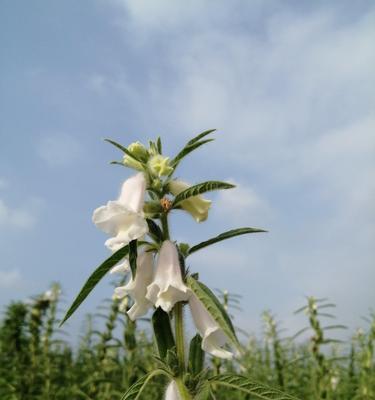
(114, 352)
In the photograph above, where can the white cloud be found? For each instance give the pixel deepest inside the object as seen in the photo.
(20, 218)
(292, 94)
(59, 149)
(10, 279)
(242, 205)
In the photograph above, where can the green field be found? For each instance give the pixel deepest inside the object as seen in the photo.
(37, 361)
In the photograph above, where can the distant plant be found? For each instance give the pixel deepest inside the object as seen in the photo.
(114, 352)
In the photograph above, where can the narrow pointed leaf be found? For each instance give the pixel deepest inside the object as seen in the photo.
(201, 188)
(187, 150)
(94, 278)
(328, 305)
(200, 136)
(154, 230)
(134, 392)
(196, 355)
(117, 163)
(133, 257)
(224, 236)
(159, 145)
(334, 327)
(300, 332)
(214, 308)
(163, 332)
(256, 389)
(301, 309)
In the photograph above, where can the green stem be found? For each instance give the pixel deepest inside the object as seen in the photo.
(182, 389)
(164, 225)
(178, 315)
(179, 332)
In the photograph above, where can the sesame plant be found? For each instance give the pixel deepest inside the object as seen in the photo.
(158, 280)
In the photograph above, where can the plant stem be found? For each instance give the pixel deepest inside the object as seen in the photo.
(178, 312)
(182, 389)
(164, 224)
(179, 332)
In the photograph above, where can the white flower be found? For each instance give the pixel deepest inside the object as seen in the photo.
(213, 336)
(137, 287)
(196, 206)
(167, 287)
(121, 268)
(172, 392)
(123, 218)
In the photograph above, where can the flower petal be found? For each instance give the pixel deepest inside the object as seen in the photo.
(137, 288)
(133, 193)
(121, 268)
(213, 336)
(110, 217)
(134, 226)
(167, 287)
(172, 392)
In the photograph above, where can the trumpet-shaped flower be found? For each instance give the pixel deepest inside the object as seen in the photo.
(167, 287)
(196, 206)
(172, 392)
(213, 336)
(136, 288)
(123, 218)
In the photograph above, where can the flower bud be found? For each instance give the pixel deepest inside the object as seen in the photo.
(132, 163)
(196, 206)
(159, 166)
(138, 150)
(157, 184)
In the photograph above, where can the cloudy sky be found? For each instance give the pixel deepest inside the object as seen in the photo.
(288, 84)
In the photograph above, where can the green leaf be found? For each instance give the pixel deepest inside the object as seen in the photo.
(94, 278)
(133, 257)
(200, 136)
(124, 149)
(204, 392)
(136, 389)
(117, 163)
(325, 328)
(187, 150)
(154, 230)
(196, 355)
(200, 188)
(214, 308)
(256, 389)
(191, 145)
(303, 330)
(159, 145)
(224, 236)
(163, 332)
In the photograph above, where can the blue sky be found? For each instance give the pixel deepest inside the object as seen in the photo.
(289, 86)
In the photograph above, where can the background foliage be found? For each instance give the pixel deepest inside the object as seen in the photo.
(37, 361)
